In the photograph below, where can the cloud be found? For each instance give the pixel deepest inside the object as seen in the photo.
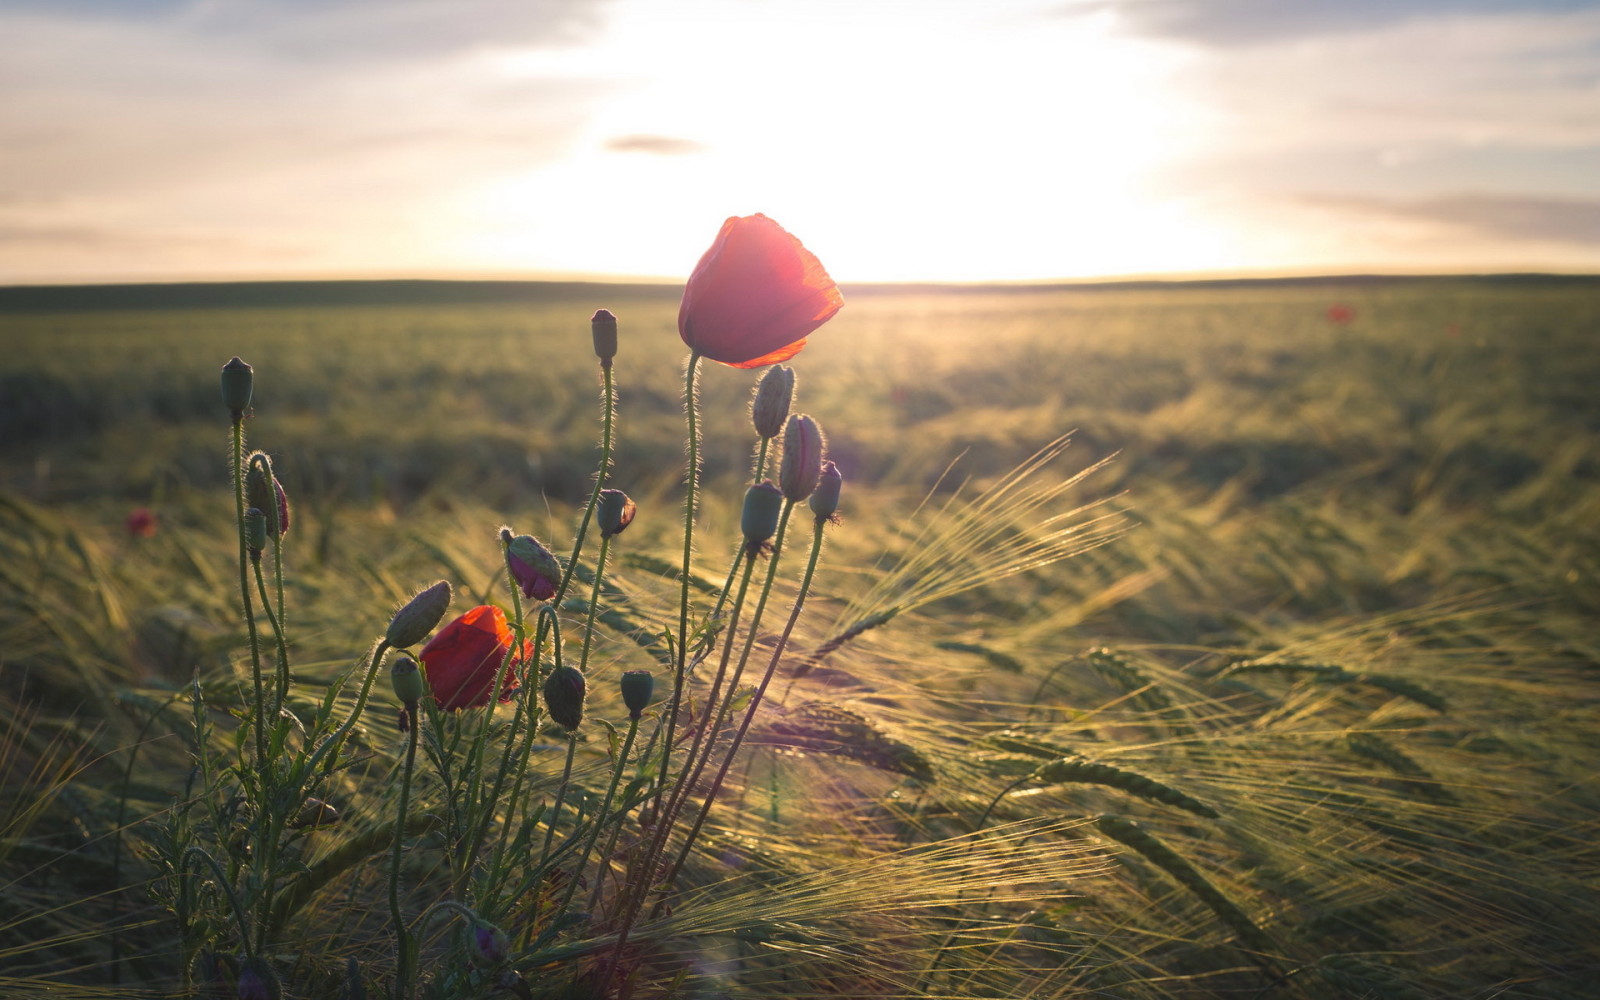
(1504, 217)
(1227, 23)
(658, 145)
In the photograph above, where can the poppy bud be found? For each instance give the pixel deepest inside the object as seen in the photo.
(255, 529)
(314, 813)
(762, 503)
(238, 382)
(563, 696)
(407, 680)
(488, 944)
(257, 981)
(604, 326)
(534, 567)
(637, 687)
(826, 498)
(771, 406)
(412, 623)
(802, 457)
(616, 512)
(263, 491)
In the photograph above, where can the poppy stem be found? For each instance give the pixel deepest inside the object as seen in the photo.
(244, 585)
(405, 947)
(755, 700)
(610, 404)
(599, 821)
(691, 404)
(594, 602)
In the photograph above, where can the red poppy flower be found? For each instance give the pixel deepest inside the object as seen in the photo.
(1340, 314)
(755, 295)
(462, 659)
(141, 522)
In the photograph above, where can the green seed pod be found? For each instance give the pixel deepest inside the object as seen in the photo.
(407, 680)
(616, 512)
(803, 445)
(637, 687)
(418, 616)
(762, 503)
(825, 501)
(770, 408)
(563, 696)
(238, 383)
(255, 529)
(604, 326)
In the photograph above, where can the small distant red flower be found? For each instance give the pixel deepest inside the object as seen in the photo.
(142, 522)
(1340, 314)
(755, 296)
(461, 660)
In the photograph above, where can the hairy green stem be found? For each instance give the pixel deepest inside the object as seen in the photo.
(244, 586)
(405, 947)
(680, 660)
(755, 700)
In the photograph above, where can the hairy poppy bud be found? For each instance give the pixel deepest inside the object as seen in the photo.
(826, 498)
(604, 326)
(533, 567)
(257, 981)
(238, 383)
(412, 623)
(488, 945)
(802, 457)
(314, 813)
(762, 503)
(563, 696)
(263, 491)
(255, 529)
(616, 512)
(407, 680)
(770, 408)
(637, 687)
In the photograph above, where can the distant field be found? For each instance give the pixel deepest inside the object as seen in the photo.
(1314, 484)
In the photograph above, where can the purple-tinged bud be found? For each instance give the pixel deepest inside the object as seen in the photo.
(616, 512)
(762, 504)
(604, 326)
(803, 445)
(238, 383)
(533, 567)
(314, 813)
(770, 408)
(637, 687)
(263, 492)
(257, 981)
(407, 680)
(825, 501)
(255, 530)
(563, 696)
(418, 616)
(489, 945)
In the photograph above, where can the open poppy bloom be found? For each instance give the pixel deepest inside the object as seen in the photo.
(755, 296)
(461, 660)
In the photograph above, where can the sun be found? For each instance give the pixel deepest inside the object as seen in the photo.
(953, 146)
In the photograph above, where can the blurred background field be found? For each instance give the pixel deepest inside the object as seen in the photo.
(1313, 483)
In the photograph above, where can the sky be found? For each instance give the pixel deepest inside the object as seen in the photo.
(1011, 140)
